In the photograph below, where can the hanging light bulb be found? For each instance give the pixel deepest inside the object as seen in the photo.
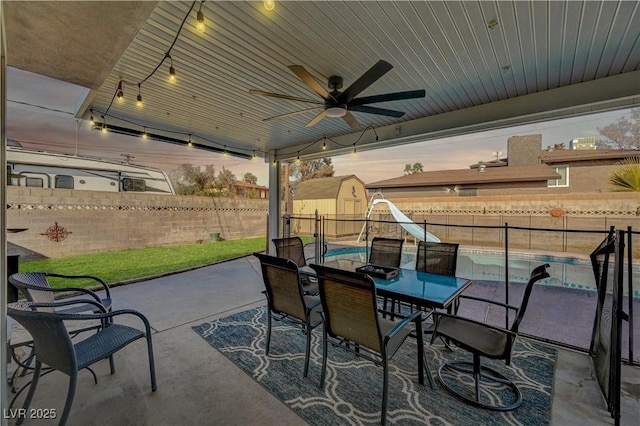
(91, 120)
(172, 71)
(298, 157)
(200, 20)
(355, 150)
(253, 157)
(104, 125)
(139, 102)
(269, 4)
(144, 133)
(190, 144)
(324, 144)
(120, 92)
(226, 154)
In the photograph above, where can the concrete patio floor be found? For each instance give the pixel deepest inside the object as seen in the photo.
(197, 385)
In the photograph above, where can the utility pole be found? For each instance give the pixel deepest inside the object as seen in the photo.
(286, 189)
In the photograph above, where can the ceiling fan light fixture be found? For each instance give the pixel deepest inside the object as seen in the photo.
(336, 111)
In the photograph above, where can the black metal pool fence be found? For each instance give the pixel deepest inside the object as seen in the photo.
(505, 238)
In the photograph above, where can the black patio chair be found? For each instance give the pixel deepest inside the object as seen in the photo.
(293, 248)
(286, 299)
(437, 258)
(53, 345)
(483, 340)
(386, 251)
(351, 318)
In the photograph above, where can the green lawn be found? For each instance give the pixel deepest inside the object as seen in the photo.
(124, 265)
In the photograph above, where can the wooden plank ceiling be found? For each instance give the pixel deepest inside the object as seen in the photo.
(466, 55)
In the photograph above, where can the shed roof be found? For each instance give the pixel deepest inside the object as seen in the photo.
(321, 189)
(526, 173)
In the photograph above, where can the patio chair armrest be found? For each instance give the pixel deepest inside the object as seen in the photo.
(402, 324)
(108, 315)
(493, 302)
(91, 277)
(98, 305)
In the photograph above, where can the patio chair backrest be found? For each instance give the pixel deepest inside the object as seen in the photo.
(25, 281)
(386, 251)
(437, 258)
(537, 274)
(291, 248)
(283, 286)
(50, 336)
(349, 306)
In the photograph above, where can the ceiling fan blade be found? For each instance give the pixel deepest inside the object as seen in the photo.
(388, 97)
(351, 120)
(290, 114)
(367, 79)
(308, 79)
(279, 96)
(317, 119)
(378, 111)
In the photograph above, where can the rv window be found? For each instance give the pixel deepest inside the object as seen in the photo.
(64, 181)
(129, 184)
(31, 181)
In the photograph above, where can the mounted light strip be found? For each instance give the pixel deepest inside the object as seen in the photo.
(168, 139)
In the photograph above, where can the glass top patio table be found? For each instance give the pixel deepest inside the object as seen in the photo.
(411, 286)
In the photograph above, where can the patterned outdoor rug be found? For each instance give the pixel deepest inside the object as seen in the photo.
(353, 388)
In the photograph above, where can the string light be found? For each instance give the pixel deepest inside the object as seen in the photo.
(189, 144)
(120, 92)
(200, 19)
(253, 157)
(298, 157)
(144, 133)
(172, 70)
(269, 4)
(139, 99)
(91, 120)
(226, 154)
(324, 144)
(104, 125)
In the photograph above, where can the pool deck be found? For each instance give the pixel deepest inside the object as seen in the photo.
(197, 385)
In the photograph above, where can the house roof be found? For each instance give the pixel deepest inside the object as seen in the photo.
(569, 155)
(320, 189)
(527, 173)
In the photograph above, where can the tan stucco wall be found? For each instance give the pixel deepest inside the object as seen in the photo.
(101, 221)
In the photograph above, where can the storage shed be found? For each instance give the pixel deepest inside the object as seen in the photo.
(337, 197)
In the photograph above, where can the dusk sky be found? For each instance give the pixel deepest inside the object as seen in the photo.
(40, 116)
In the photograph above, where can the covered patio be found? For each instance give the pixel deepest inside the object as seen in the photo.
(197, 384)
(483, 65)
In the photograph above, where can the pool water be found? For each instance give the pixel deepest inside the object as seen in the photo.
(568, 272)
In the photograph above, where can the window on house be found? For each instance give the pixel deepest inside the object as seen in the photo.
(563, 171)
(36, 182)
(129, 184)
(64, 181)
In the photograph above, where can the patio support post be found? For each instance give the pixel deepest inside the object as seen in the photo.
(4, 355)
(275, 197)
(506, 272)
(630, 284)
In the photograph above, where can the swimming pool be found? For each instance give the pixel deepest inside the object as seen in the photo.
(568, 272)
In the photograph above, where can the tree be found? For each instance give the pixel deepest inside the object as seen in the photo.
(192, 180)
(250, 178)
(623, 134)
(312, 169)
(558, 146)
(626, 177)
(411, 170)
(224, 183)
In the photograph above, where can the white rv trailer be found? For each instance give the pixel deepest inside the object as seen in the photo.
(48, 170)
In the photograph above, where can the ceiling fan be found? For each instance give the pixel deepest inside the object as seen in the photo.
(339, 104)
